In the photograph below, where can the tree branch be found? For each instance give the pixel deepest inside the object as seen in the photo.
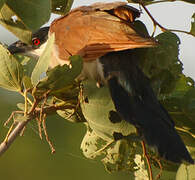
(159, 25)
(13, 135)
(32, 115)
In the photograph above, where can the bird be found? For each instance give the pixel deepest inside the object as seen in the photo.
(103, 34)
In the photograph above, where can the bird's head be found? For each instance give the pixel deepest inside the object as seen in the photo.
(39, 39)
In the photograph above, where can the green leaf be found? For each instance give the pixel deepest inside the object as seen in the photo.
(72, 115)
(28, 63)
(20, 118)
(33, 13)
(122, 156)
(140, 28)
(117, 155)
(184, 84)
(97, 112)
(91, 143)
(27, 82)
(193, 25)
(186, 172)
(21, 106)
(61, 6)
(1, 3)
(10, 21)
(23, 16)
(61, 76)
(161, 64)
(11, 72)
(43, 62)
(180, 105)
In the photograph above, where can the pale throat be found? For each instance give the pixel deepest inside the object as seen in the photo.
(91, 69)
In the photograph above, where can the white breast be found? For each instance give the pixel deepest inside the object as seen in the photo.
(91, 69)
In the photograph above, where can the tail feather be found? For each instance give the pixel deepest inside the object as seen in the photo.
(136, 102)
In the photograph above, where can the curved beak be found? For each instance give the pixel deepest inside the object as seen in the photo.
(19, 47)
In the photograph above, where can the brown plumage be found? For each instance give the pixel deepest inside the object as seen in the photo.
(92, 31)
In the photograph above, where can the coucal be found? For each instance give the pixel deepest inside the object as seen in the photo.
(103, 34)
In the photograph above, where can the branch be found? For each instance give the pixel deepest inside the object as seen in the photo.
(32, 115)
(159, 25)
(13, 135)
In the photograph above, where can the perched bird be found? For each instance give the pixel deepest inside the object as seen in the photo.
(104, 35)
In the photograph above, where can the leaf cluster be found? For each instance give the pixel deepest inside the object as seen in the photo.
(23, 17)
(46, 91)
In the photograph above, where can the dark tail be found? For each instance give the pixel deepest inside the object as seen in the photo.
(136, 102)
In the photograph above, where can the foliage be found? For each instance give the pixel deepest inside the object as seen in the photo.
(11, 71)
(48, 91)
(19, 20)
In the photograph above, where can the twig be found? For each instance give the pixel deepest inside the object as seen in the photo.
(39, 128)
(34, 112)
(160, 166)
(5, 145)
(25, 103)
(22, 132)
(184, 130)
(29, 101)
(11, 116)
(147, 160)
(46, 135)
(159, 25)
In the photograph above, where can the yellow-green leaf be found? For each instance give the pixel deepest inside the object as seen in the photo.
(43, 62)
(186, 172)
(12, 23)
(1, 3)
(11, 71)
(61, 76)
(33, 13)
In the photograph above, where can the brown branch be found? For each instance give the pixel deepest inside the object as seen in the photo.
(147, 160)
(34, 112)
(46, 134)
(12, 136)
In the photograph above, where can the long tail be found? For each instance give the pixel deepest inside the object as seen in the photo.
(136, 102)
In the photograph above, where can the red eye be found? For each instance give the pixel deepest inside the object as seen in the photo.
(36, 42)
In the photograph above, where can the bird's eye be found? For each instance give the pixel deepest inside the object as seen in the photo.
(36, 41)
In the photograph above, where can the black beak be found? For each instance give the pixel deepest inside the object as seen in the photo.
(19, 47)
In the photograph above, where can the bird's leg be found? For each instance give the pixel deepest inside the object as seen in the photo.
(147, 160)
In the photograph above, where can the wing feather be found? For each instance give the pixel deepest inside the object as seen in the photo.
(92, 34)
